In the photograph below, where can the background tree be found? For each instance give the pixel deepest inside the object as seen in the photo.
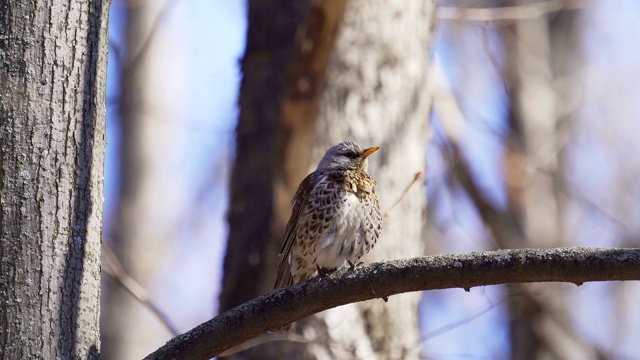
(52, 142)
(270, 45)
(146, 105)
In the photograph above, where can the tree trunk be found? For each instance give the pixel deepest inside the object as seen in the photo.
(52, 141)
(538, 123)
(149, 198)
(376, 94)
(251, 248)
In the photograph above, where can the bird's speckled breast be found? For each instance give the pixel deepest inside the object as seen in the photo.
(345, 240)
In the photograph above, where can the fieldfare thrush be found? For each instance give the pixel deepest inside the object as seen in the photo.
(335, 218)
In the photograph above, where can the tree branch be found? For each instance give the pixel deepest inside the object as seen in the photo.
(506, 13)
(278, 308)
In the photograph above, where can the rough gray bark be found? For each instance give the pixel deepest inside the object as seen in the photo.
(380, 280)
(52, 141)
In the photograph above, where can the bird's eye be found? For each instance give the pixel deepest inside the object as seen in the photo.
(351, 154)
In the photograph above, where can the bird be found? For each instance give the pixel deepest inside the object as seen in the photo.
(335, 217)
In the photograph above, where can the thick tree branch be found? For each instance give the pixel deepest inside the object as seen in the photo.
(379, 280)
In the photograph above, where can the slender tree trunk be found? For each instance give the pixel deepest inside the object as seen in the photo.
(143, 230)
(52, 140)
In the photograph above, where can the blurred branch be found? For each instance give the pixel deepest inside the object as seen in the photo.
(456, 324)
(127, 68)
(116, 271)
(133, 63)
(504, 228)
(507, 13)
(383, 279)
(495, 63)
(501, 225)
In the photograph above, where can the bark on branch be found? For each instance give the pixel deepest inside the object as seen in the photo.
(383, 279)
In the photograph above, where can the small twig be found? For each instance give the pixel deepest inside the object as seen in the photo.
(116, 271)
(419, 176)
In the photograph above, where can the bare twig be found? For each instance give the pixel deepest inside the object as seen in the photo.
(418, 176)
(286, 305)
(116, 271)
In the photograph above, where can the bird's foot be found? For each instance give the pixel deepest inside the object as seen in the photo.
(353, 266)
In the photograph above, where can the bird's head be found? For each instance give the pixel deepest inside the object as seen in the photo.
(346, 156)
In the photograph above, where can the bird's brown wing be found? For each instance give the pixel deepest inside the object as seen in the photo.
(298, 203)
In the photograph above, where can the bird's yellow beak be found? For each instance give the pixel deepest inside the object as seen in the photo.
(369, 151)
